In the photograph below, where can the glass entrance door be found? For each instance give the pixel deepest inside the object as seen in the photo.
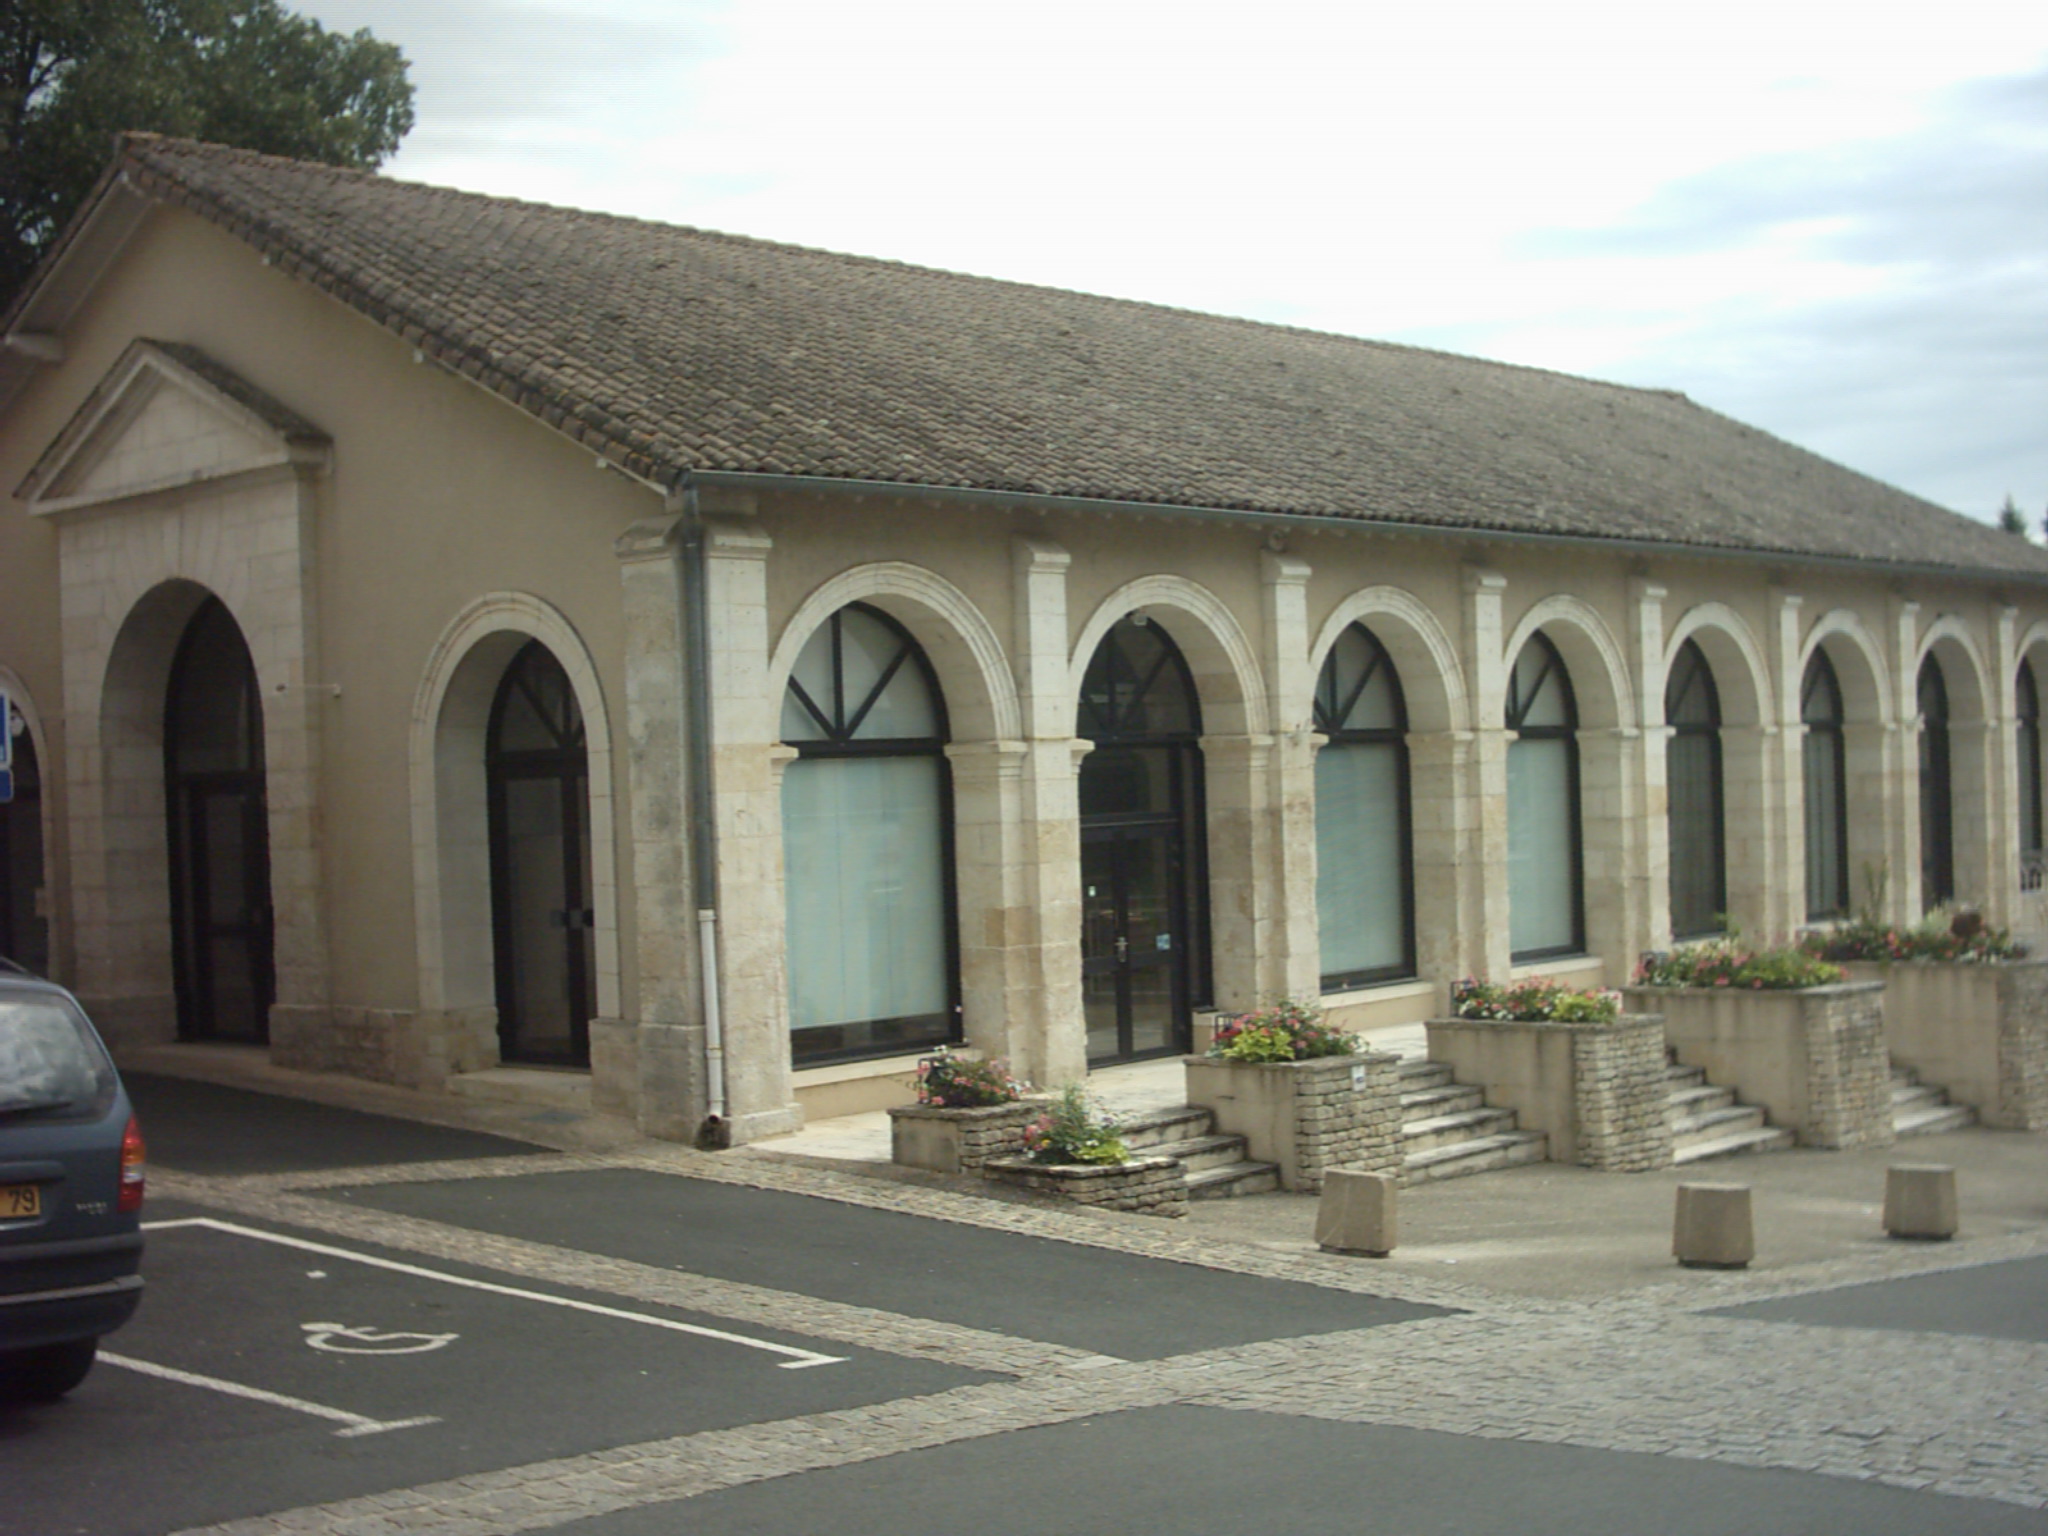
(1134, 943)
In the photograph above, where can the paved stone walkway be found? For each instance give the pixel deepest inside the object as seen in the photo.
(1644, 1371)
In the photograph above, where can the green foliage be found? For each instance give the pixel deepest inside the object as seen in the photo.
(947, 1081)
(1730, 963)
(1071, 1132)
(1537, 1000)
(1963, 936)
(2010, 518)
(249, 73)
(1282, 1031)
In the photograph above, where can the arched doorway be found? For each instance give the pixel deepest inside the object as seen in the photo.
(218, 828)
(24, 931)
(1694, 815)
(1937, 798)
(538, 781)
(1144, 875)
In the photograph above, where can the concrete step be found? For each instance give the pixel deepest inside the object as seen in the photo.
(1932, 1119)
(562, 1088)
(1449, 1099)
(1760, 1138)
(1157, 1127)
(1713, 1124)
(1454, 1128)
(1418, 1075)
(1683, 1076)
(1201, 1153)
(1243, 1178)
(1696, 1099)
(1481, 1154)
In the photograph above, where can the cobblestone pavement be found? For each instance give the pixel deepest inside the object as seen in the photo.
(1645, 1372)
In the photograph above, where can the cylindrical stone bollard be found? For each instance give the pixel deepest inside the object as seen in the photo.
(1712, 1228)
(1920, 1201)
(1356, 1212)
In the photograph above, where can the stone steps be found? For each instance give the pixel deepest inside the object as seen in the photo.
(1922, 1109)
(1216, 1164)
(1447, 1130)
(1707, 1120)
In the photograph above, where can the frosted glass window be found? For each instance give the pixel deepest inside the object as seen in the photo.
(1361, 864)
(1827, 826)
(1542, 863)
(867, 901)
(1692, 777)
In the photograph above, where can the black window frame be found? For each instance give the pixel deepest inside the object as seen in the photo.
(2027, 733)
(1329, 712)
(1517, 707)
(1690, 671)
(1831, 728)
(1937, 786)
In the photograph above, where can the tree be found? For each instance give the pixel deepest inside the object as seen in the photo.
(75, 73)
(2010, 518)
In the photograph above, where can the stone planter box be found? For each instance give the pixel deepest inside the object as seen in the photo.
(1814, 1059)
(1597, 1090)
(958, 1140)
(1978, 1029)
(1306, 1116)
(1150, 1186)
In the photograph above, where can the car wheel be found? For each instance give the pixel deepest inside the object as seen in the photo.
(43, 1375)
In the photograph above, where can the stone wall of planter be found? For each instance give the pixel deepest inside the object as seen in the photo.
(1151, 1186)
(1307, 1116)
(958, 1140)
(1597, 1090)
(1978, 1029)
(1814, 1059)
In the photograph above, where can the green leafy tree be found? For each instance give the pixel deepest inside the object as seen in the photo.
(2010, 518)
(75, 73)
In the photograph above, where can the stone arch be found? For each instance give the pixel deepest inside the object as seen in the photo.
(1963, 668)
(1221, 656)
(1432, 681)
(1859, 666)
(956, 637)
(1979, 794)
(50, 771)
(1877, 829)
(1741, 676)
(1599, 673)
(450, 818)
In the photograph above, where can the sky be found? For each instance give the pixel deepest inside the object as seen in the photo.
(1828, 221)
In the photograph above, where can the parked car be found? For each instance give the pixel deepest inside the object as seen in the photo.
(71, 1184)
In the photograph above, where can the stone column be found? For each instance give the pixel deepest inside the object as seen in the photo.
(1294, 968)
(1242, 913)
(1619, 906)
(746, 807)
(1645, 640)
(1048, 1031)
(1485, 852)
(1782, 759)
(997, 992)
(2001, 884)
(667, 1090)
(1903, 782)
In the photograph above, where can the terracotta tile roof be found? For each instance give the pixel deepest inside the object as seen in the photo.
(671, 349)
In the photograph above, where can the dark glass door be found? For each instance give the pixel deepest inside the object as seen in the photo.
(1134, 943)
(24, 932)
(219, 836)
(540, 865)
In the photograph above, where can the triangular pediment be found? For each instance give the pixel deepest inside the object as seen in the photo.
(165, 417)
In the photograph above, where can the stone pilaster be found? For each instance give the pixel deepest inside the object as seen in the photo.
(1243, 913)
(1783, 763)
(1485, 855)
(1903, 783)
(1295, 966)
(1645, 641)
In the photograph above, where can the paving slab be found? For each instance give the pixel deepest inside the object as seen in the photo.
(1997, 1301)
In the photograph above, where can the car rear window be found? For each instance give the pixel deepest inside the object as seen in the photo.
(51, 1063)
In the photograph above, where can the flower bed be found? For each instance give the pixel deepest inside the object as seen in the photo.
(1783, 1029)
(1304, 1096)
(968, 1111)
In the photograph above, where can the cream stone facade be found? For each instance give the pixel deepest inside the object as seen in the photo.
(390, 535)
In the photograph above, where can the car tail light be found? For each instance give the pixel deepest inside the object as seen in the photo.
(133, 1157)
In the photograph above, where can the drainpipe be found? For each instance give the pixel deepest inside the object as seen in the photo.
(716, 1131)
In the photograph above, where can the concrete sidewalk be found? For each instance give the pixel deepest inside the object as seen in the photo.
(1539, 1231)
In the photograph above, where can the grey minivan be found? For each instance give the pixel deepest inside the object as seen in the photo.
(71, 1182)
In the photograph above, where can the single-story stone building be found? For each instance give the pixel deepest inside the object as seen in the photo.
(446, 631)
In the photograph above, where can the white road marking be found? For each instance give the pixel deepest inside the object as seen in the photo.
(799, 1359)
(368, 1341)
(356, 1424)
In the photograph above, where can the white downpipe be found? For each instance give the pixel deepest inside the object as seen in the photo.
(714, 1024)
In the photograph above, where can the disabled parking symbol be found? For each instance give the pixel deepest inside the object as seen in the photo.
(340, 1339)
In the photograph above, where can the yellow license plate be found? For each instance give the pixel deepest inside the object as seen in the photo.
(20, 1200)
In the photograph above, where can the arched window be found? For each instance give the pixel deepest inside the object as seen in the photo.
(1546, 906)
(1365, 897)
(867, 845)
(1937, 799)
(1827, 798)
(1144, 848)
(1692, 776)
(537, 769)
(2027, 713)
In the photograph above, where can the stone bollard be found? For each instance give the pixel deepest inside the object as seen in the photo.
(1920, 1201)
(1712, 1228)
(1356, 1212)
